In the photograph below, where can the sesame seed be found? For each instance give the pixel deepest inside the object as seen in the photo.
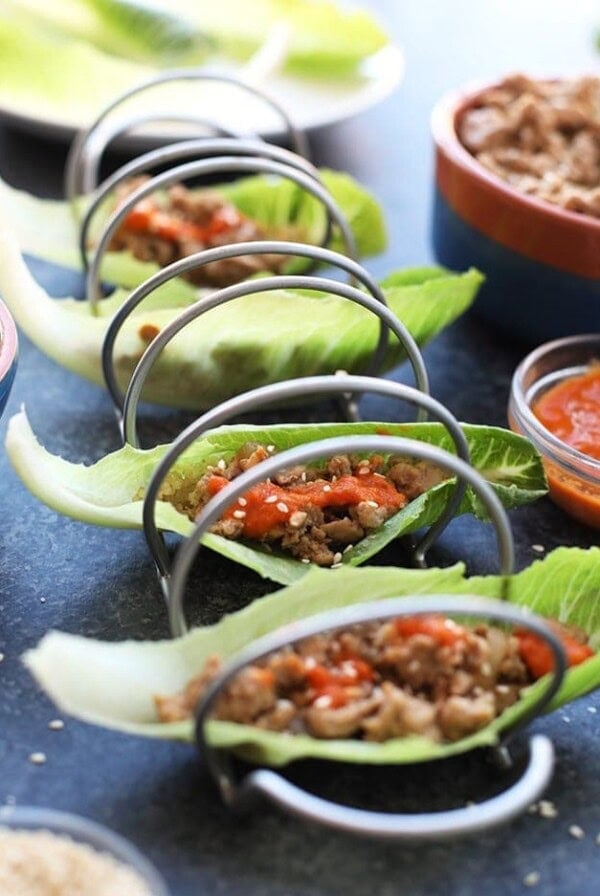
(56, 725)
(502, 688)
(303, 476)
(538, 548)
(271, 499)
(305, 560)
(337, 557)
(347, 548)
(335, 566)
(37, 758)
(532, 879)
(282, 507)
(221, 464)
(239, 514)
(566, 719)
(548, 809)
(310, 662)
(326, 488)
(323, 702)
(486, 669)
(298, 518)
(1, 657)
(334, 478)
(270, 448)
(363, 471)
(242, 502)
(576, 832)
(42, 600)
(591, 709)
(372, 503)
(341, 372)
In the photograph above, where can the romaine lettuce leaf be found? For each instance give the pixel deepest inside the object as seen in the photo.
(109, 492)
(263, 338)
(46, 228)
(114, 684)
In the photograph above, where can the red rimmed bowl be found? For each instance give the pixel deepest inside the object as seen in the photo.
(542, 263)
(8, 354)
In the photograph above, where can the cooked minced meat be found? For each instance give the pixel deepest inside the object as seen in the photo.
(313, 513)
(181, 222)
(424, 675)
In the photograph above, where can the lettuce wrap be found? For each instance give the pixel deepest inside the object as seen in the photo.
(238, 346)
(110, 492)
(114, 684)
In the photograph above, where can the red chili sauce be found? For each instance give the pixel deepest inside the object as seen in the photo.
(571, 411)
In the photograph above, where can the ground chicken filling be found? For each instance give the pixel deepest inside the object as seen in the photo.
(420, 675)
(312, 513)
(543, 137)
(180, 222)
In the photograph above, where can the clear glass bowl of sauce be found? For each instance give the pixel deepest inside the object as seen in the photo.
(563, 372)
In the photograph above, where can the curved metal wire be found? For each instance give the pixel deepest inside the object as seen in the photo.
(189, 149)
(76, 158)
(89, 173)
(267, 284)
(174, 585)
(289, 390)
(425, 826)
(222, 165)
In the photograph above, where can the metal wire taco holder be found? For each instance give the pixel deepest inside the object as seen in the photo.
(227, 153)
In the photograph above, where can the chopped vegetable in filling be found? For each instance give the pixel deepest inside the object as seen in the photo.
(420, 675)
(313, 513)
(181, 222)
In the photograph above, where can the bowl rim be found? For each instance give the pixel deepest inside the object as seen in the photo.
(88, 832)
(578, 463)
(444, 119)
(9, 340)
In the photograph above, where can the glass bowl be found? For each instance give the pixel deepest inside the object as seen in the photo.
(8, 354)
(573, 477)
(82, 830)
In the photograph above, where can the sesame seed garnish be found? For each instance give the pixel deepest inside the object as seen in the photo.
(282, 507)
(242, 502)
(56, 725)
(502, 688)
(326, 488)
(547, 809)
(239, 514)
(538, 548)
(591, 709)
(298, 518)
(270, 448)
(323, 702)
(305, 560)
(335, 566)
(42, 600)
(337, 557)
(303, 476)
(347, 548)
(532, 879)
(372, 503)
(221, 464)
(310, 662)
(363, 471)
(576, 832)
(37, 758)
(271, 499)
(566, 719)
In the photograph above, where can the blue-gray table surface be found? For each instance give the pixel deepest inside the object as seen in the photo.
(55, 573)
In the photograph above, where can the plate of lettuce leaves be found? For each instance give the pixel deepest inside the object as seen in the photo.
(61, 63)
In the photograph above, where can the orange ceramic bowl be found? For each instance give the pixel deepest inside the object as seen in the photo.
(573, 477)
(542, 263)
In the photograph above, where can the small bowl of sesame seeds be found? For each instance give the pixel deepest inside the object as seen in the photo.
(48, 853)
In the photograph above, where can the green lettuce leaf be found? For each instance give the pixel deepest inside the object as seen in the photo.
(114, 684)
(140, 31)
(322, 39)
(46, 228)
(109, 492)
(235, 347)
